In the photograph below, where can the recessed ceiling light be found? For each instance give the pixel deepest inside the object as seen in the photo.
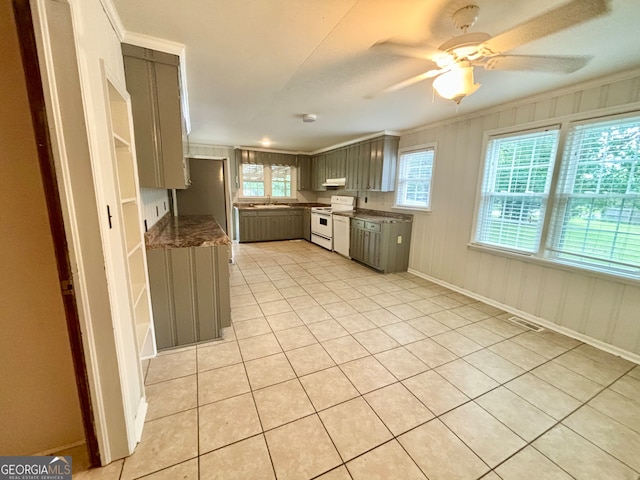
(309, 117)
(265, 142)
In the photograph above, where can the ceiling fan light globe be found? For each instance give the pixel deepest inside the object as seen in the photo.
(456, 84)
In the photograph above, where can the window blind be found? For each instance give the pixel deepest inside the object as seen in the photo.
(596, 218)
(515, 189)
(414, 179)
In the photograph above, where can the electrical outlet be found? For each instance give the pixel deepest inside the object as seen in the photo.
(399, 239)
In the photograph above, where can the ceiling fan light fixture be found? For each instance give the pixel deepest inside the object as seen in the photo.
(456, 84)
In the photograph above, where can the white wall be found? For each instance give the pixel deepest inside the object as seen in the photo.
(598, 307)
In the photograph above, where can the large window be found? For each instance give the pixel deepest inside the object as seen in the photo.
(267, 180)
(592, 217)
(415, 168)
(517, 178)
(596, 219)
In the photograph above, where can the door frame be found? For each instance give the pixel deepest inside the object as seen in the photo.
(33, 78)
(226, 166)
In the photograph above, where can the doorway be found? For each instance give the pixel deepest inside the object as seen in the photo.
(208, 193)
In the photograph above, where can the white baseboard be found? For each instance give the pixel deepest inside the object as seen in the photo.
(612, 349)
(54, 450)
(140, 418)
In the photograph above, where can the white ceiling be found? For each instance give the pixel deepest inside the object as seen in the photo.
(255, 66)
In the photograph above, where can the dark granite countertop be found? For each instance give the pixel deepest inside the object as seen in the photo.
(251, 206)
(186, 231)
(377, 216)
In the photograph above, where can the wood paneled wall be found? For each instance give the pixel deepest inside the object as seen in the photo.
(598, 307)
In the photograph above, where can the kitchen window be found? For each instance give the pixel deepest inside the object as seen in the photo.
(276, 181)
(413, 185)
(591, 218)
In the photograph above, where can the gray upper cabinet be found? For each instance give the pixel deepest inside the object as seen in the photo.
(368, 165)
(318, 171)
(153, 81)
(304, 172)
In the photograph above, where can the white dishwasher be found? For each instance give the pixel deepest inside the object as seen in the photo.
(341, 234)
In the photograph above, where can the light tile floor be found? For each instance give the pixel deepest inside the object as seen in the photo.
(333, 371)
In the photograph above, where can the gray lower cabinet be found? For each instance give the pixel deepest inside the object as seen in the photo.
(383, 246)
(270, 225)
(189, 293)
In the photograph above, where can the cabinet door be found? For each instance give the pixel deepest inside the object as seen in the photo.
(306, 224)
(304, 172)
(139, 85)
(248, 228)
(364, 158)
(372, 249)
(352, 167)
(318, 172)
(374, 181)
(339, 164)
(356, 248)
(161, 297)
(294, 228)
(170, 126)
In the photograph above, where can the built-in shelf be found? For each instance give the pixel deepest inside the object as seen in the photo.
(130, 221)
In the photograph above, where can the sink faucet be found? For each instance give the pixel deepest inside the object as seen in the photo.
(268, 198)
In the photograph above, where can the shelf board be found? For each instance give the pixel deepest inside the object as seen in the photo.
(133, 249)
(137, 291)
(120, 142)
(128, 200)
(142, 332)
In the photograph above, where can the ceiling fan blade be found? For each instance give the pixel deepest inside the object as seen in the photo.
(568, 15)
(407, 83)
(559, 64)
(424, 52)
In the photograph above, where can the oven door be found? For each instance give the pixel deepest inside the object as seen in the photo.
(321, 224)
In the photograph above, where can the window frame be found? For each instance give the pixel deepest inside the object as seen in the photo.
(415, 149)
(548, 196)
(543, 255)
(268, 185)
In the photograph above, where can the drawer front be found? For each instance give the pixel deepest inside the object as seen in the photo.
(373, 227)
(357, 223)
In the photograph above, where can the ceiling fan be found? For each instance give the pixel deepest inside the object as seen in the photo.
(455, 59)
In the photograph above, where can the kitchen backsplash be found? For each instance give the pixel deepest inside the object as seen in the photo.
(374, 200)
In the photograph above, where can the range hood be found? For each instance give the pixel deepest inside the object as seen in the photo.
(335, 182)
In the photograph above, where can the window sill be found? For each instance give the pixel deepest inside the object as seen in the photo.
(568, 267)
(411, 209)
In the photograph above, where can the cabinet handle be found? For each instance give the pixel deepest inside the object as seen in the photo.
(109, 216)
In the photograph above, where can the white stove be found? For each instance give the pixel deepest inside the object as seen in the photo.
(322, 223)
